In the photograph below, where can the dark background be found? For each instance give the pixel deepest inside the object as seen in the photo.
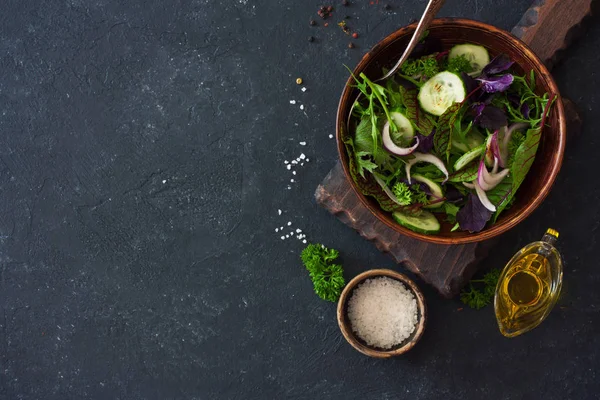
(141, 169)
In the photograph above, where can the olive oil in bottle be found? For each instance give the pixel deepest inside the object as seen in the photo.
(529, 286)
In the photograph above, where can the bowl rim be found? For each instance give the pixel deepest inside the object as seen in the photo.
(496, 229)
(346, 329)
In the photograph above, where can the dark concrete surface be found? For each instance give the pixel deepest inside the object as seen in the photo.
(141, 169)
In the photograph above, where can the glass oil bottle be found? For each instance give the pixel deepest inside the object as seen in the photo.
(529, 286)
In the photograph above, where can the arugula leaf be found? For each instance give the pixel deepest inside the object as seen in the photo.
(366, 183)
(422, 121)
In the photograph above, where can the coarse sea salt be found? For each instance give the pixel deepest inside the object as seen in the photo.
(382, 312)
(302, 143)
(278, 212)
(292, 101)
(330, 136)
(303, 89)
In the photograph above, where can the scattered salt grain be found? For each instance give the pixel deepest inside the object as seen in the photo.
(382, 312)
(283, 238)
(278, 212)
(276, 230)
(291, 180)
(286, 162)
(292, 101)
(307, 160)
(330, 136)
(289, 223)
(302, 143)
(289, 167)
(289, 187)
(287, 236)
(164, 181)
(298, 230)
(304, 241)
(294, 162)
(303, 89)
(302, 106)
(302, 156)
(293, 172)
(302, 164)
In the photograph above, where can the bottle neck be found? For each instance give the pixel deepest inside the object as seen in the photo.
(550, 237)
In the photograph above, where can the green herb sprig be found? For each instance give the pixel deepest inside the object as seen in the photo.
(328, 279)
(480, 292)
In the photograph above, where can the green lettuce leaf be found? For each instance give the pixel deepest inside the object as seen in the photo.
(502, 195)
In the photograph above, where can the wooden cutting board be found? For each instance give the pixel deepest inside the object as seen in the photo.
(547, 27)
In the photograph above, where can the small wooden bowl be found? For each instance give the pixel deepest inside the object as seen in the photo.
(449, 32)
(359, 344)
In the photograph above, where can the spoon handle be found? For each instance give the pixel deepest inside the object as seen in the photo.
(428, 15)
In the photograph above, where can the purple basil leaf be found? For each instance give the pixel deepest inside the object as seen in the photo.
(525, 110)
(499, 64)
(477, 109)
(425, 142)
(491, 118)
(473, 216)
(495, 84)
(514, 99)
(453, 195)
(470, 83)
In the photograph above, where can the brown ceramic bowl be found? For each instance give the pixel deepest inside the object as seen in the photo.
(449, 32)
(358, 343)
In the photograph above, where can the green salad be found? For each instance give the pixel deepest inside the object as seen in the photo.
(450, 137)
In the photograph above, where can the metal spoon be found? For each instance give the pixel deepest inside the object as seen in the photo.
(430, 12)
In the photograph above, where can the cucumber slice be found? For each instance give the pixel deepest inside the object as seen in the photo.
(423, 222)
(440, 92)
(478, 56)
(468, 157)
(406, 131)
(436, 190)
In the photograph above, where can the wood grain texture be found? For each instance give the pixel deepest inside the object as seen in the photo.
(446, 268)
(549, 26)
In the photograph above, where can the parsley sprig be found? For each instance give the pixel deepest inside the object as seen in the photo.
(328, 279)
(480, 292)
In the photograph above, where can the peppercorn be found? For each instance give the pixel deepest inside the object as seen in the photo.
(312, 22)
(355, 35)
(311, 39)
(298, 81)
(350, 45)
(388, 7)
(329, 8)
